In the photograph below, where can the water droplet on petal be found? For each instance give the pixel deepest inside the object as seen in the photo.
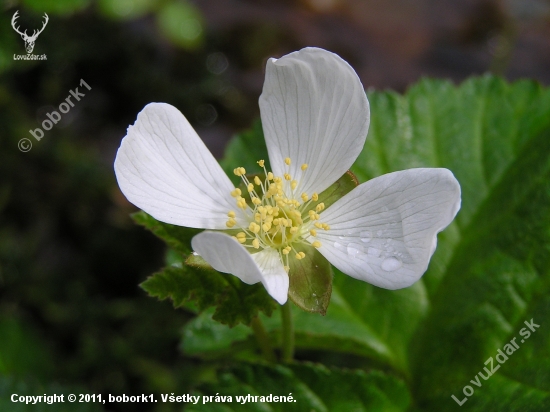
(354, 249)
(366, 236)
(379, 233)
(372, 251)
(341, 237)
(390, 264)
(339, 246)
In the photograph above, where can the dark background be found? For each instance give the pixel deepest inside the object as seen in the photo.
(71, 259)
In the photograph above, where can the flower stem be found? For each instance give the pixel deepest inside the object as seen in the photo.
(263, 339)
(288, 333)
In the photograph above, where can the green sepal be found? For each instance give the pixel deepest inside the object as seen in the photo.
(198, 262)
(310, 280)
(338, 189)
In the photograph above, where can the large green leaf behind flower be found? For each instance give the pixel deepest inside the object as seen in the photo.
(308, 387)
(490, 273)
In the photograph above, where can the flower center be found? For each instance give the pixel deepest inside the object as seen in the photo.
(276, 216)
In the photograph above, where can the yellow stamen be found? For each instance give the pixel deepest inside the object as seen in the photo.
(239, 171)
(300, 255)
(275, 219)
(241, 203)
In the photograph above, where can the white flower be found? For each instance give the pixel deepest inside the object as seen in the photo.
(315, 117)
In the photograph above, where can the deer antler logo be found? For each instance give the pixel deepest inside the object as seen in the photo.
(29, 40)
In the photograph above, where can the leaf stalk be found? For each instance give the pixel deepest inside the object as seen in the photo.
(263, 339)
(288, 333)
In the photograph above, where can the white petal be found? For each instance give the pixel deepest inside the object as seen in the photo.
(226, 255)
(315, 111)
(164, 168)
(385, 231)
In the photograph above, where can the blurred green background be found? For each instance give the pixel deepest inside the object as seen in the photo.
(71, 312)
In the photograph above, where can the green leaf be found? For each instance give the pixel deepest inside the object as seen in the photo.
(206, 338)
(235, 301)
(244, 150)
(310, 280)
(61, 7)
(182, 23)
(126, 9)
(490, 271)
(177, 237)
(312, 388)
(340, 330)
(22, 351)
